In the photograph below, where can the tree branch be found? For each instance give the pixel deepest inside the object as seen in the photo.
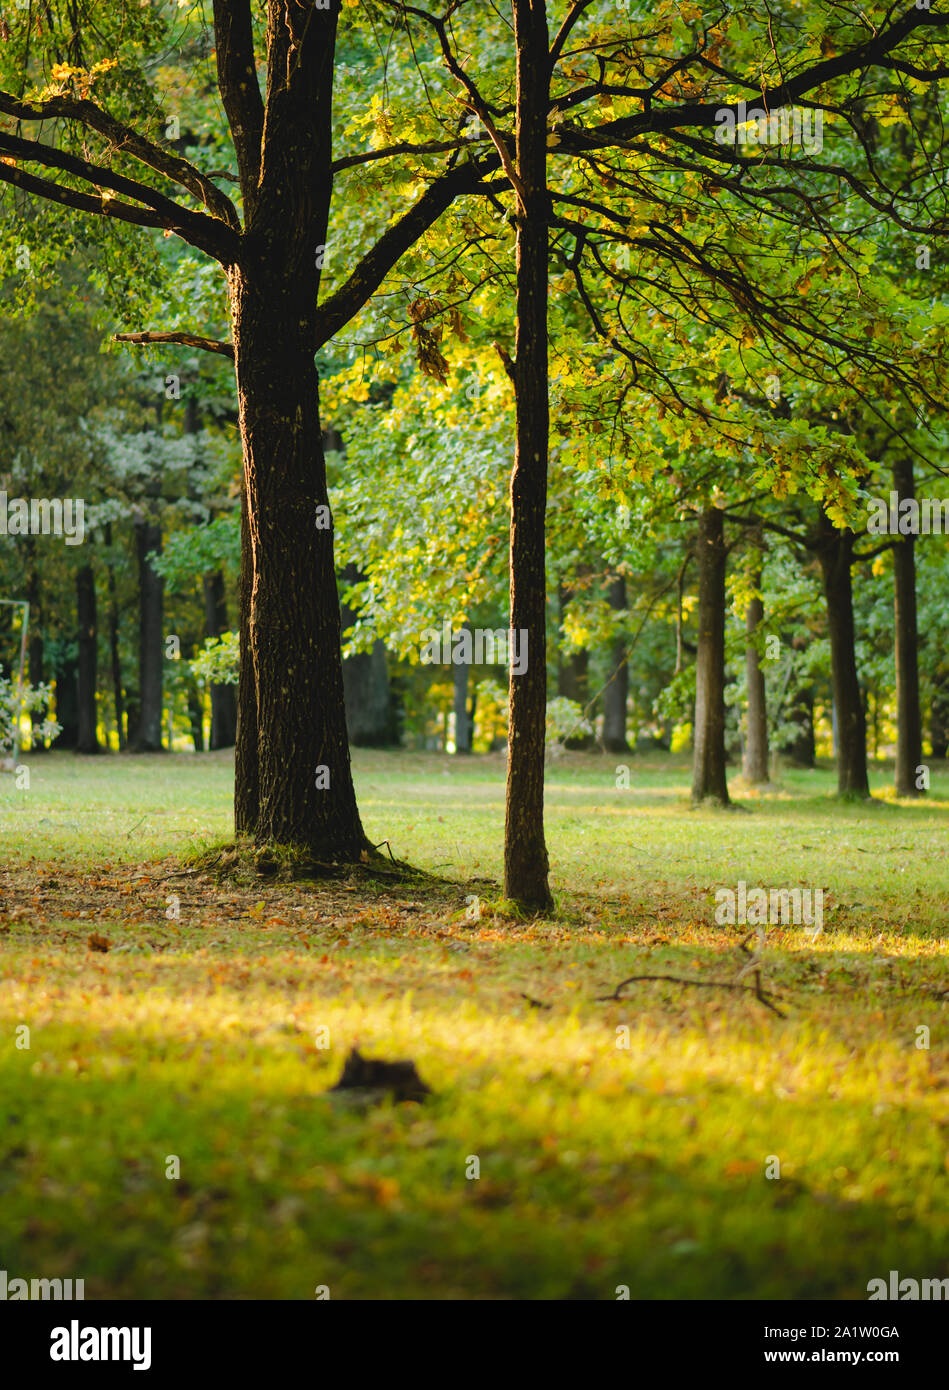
(184, 339)
(128, 141)
(240, 92)
(196, 227)
(346, 302)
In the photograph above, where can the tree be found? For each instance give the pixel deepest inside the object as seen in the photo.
(293, 777)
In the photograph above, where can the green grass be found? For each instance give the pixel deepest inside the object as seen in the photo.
(600, 1166)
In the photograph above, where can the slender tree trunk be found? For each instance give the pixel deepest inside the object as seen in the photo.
(938, 717)
(223, 697)
(67, 705)
(35, 647)
(801, 748)
(909, 721)
(461, 673)
(87, 740)
(835, 552)
(616, 694)
(709, 781)
(756, 746)
(525, 852)
(118, 696)
(573, 674)
(151, 646)
(366, 689)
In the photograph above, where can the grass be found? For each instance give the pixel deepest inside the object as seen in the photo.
(197, 1034)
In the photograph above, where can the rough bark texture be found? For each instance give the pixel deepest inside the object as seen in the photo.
(87, 740)
(223, 697)
(525, 852)
(151, 645)
(756, 744)
(245, 748)
(909, 721)
(300, 758)
(709, 781)
(835, 553)
(616, 694)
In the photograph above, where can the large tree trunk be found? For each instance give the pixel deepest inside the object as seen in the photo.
(151, 646)
(909, 722)
(294, 783)
(525, 852)
(835, 552)
(709, 782)
(87, 740)
(223, 697)
(246, 791)
(616, 693)
(756, 743)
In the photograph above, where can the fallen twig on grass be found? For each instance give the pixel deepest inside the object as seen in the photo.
(760, 994)
(536, 1003)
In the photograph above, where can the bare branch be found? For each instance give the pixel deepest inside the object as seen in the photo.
(184, 339)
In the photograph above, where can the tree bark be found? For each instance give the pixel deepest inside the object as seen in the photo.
(223, 730)
(709, 782)
(525, 852)
(616, 694)
(67, 706)
(369, 722)
(36, 646)
(573, 675)
(118, 696)
(756, 743)
(939, 717)
(909, 721)
(246, 790)
(151, 646)
(835, 553)
(87, 671)
(461, 674)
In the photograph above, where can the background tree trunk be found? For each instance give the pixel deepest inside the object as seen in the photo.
(118, 694)
(525, 852)
(369, 722)
(461, 674)
(35, 645)
(709, 781)
(835, 553)
(87, 740)
(67, 704)
(756, 745)
(909, 721)
(223, 697)
(151, 645)
(616, 693)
